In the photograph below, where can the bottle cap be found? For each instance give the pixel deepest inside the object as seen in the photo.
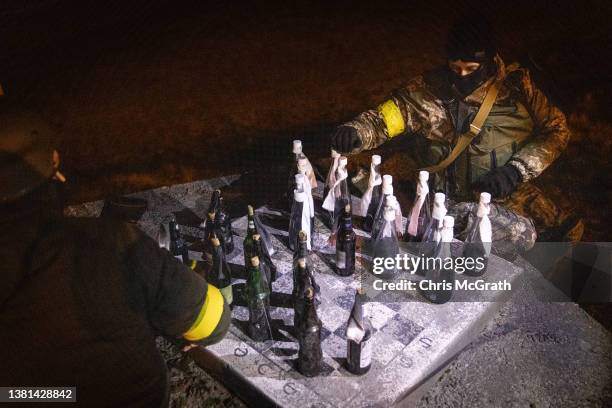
(255, 261)
(215, 241)
(334, 154)
(387, 179)
(342, 161)
(376, 159)
(448, 222)
(485, 198)
(389, 214)
(439, 198)
(302, 263)
(250, 210)
(423, 175)
(297, 146)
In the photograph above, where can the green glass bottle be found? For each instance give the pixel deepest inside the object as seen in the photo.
(258, 299)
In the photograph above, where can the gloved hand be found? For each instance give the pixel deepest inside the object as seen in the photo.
(499, 182)
(345, 139)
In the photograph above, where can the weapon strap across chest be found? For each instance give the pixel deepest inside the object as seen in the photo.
(466, 138)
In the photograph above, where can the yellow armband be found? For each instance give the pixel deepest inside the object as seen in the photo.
(392, 116)
(209, 316)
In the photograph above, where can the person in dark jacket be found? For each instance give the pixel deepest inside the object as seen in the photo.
(82, 300)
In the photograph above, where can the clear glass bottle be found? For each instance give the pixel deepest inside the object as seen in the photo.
(296, 153)
(309, 201)
(420, 214)
(338, 196)
(345, 244)
(386, 190)
(310, 353)
(300, 218)
(439, 273)
(220, 274)
(258, 300)
(385, 243)
(479, 238)
(431, 236)
(371, 197)
(330, 180)
(359, 338)
(299, 163)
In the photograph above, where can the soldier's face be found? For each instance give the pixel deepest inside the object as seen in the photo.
(463, 68)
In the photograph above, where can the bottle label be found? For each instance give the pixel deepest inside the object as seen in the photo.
(340, 259)
(365, 358)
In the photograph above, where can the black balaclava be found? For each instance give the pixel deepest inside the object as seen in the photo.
(471, 40)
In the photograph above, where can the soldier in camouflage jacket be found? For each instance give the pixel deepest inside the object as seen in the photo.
(522, 135)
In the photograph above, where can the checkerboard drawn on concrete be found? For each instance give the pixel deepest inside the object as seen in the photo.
(412, 339)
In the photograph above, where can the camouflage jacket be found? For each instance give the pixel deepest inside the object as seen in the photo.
(523, 128)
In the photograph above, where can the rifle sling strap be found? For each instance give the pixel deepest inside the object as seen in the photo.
(466, 138)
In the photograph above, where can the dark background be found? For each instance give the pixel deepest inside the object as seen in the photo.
(149, 93)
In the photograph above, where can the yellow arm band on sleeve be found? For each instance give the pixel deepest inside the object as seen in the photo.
(392, 116)
(209, 316)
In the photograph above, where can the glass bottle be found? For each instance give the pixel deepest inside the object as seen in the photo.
(258, 299)
(303, 166)
(248, 245)
(214, 201)
(359, 338)
(479, 238)
(385, 243)
(223, 224)
(386, 190)
(439, 273)
(296, 153)
(338, 196)
(303, 278)
(220, 273)
(209, 233)
(299, 162)
(345, 245)
(261, 229)
(420, 214)
(431, 236)
(309, 337)
(371, 198)
(178, 246)
(265, 263)
(300, 214)
(330, 180)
